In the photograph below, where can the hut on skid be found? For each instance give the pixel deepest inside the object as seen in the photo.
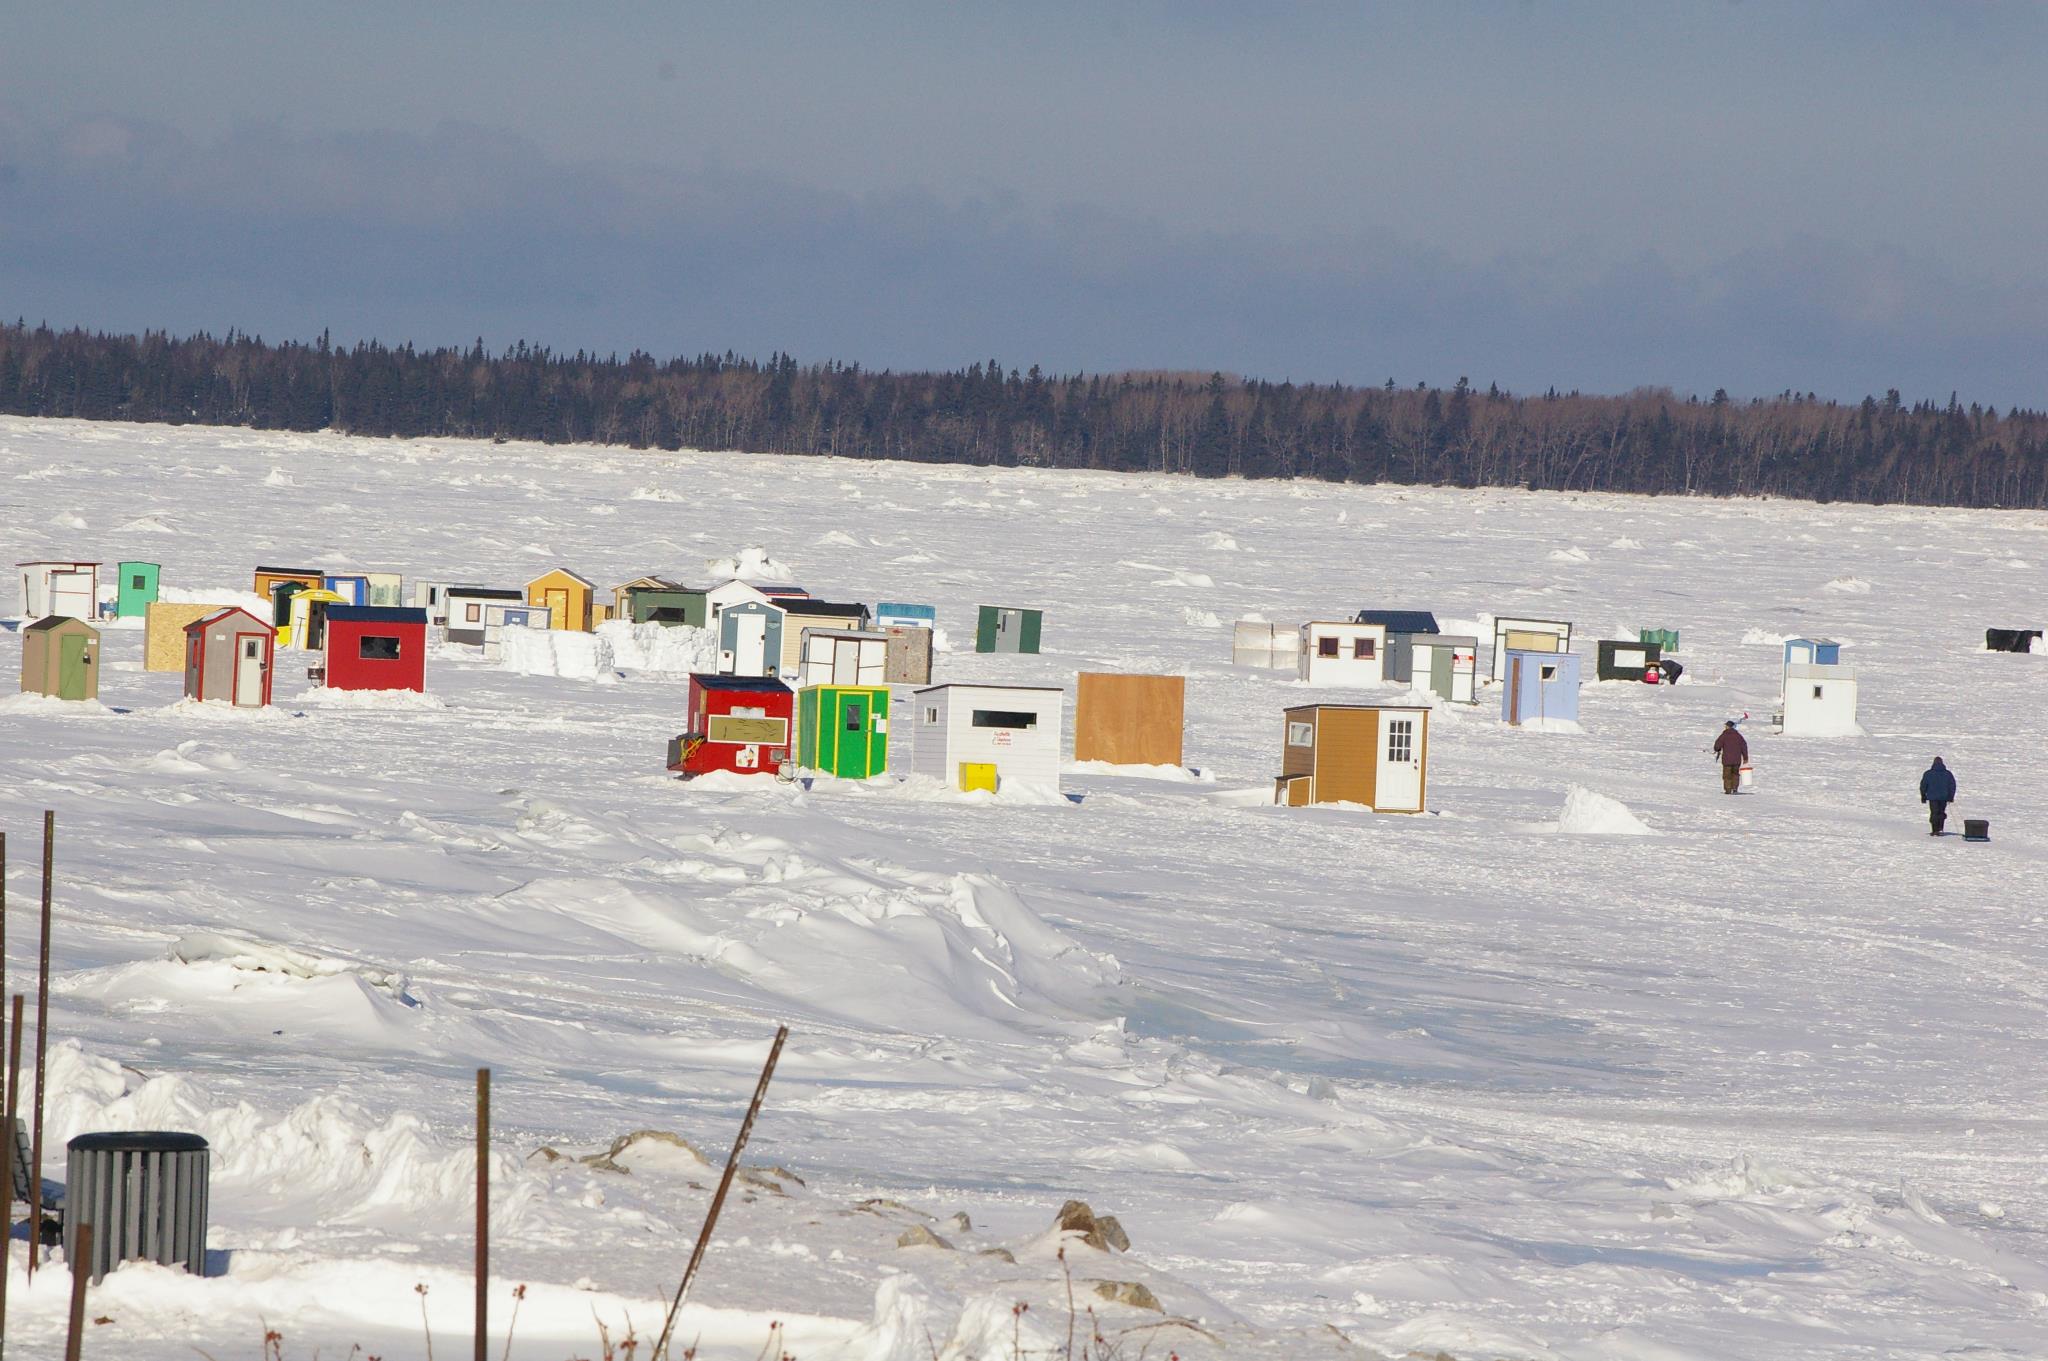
(750, 638)
(1268, 647)
(135, 588)
(2011, 640)
(843, 730)
(1526, 635)
(472, 611)
(803, 614)
(1129, 720)
(843, 657)
(1540, 687)
(1342, 652)
(228, 656)
(892, 613)
(375, 648)
(305, 630)
(71, 589)
(985, 736)
(1819, 696)
(60, 657)
(1446, 665)
(163, 632)
(736, 723)
(657, 600)
(1005, 628)
(567, 596)
(1619, 660)
(1371, 754)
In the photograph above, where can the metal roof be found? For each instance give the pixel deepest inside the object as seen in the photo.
(711, 681)
(486, 593)
(1400, 621)
(824, 607)
(982, 685)
(375, 614)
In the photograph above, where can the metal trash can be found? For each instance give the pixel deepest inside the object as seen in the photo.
(144, 1193)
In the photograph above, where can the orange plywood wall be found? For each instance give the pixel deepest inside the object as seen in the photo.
(1129, 720)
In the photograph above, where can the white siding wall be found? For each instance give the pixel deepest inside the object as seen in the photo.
(1344, 668)
(1025, 755)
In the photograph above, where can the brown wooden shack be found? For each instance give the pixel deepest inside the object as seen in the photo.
(1126, 720)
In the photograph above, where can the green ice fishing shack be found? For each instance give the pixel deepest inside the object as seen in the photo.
(843, 730)
(1004, 628)
(138, 588)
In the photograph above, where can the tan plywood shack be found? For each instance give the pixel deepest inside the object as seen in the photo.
(163, 633)
(1129, 720)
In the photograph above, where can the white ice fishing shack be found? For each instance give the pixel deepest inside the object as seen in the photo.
(988, 736)
(1526, 635)
(1819, 695)
(1342, 652)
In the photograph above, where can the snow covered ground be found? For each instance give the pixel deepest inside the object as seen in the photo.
(1513, 1079)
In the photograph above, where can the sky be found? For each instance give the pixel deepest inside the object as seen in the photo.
(1835, 197)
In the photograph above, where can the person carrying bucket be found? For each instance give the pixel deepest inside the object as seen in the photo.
(1733, 749)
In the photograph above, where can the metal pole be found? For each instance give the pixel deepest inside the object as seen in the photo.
(732, 1165)
(35, 1172)
(483, 1210)
(12, 1087)
(81, 1272)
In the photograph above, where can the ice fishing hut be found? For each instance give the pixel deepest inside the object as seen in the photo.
(1402, 627)
(1374, 754)
(60, 657)
(387, 589)
(2011, 640)
(657, 600)
(1812, 652)
(1666, 640)
(1445, 664)
(736, 723)
(135, 585)
(909, 659)
(894, 613)
(228, 657)
(800, 616)
(736, 592)
(750, 638)
(472, 611)
(1819, 698)
(304, 630)
(1267, 646)
(1526, 635)
(1619, 660)
(1005, 628)
(1342, 652)
(1540, 687)
(352, 587)
(279, 584)
(371, 647)
(843, 730)
(843, 657)
(1129, 720)
(71, 589)
(432, 596)
(163, 631)
(567, 596)
(984, 736)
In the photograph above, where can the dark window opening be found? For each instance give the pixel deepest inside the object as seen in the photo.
(1004, 718)
(1361, 649)
(1326, 647)
(138, 583)
(376, 649)
(854, 718)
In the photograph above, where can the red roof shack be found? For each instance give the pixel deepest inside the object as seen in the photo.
(228, 656)
(737, 723)
(374, 647)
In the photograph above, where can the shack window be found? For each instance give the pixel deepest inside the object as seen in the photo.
(1816, 692)
(138, 583)
(854, 717)
(1400, 739)
(1301, 734)
(931, 714)
(374, 648)
(1326, 647)
(1361, 649)
(1549, 673)
(473, 612)
(1004, 718)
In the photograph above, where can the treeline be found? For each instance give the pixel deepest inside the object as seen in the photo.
(1795, 445)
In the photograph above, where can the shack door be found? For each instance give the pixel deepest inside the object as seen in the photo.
(249, 670)
(557, 601)
(1398, 788)
(71, 667)
(749, 644)
(1440, 672)
(1515, 691)
(281, 601)
(846, 661)
(71, 594)
(850, 750)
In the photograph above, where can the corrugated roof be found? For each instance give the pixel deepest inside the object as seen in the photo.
(717, 682)
(1400, 621)
(375, 614)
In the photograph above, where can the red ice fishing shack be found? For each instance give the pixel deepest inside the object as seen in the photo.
(376, 647)
(737, 723)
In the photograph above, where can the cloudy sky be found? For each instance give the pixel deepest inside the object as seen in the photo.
(1841, 197)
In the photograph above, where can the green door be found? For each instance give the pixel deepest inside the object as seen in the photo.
(71, 667)
(1027, 630)
(1440, 671)
(985, 629)
(850, 743)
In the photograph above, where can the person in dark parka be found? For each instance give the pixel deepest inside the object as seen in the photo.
(1733, 749)
(1937, 791)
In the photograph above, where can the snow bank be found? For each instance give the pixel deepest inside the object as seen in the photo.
(1848, 586)
(1588, 813)
(215, 595)
(660, 647)
(1176, 774)
(259, 956)
(322, 697)
(556, 652)
(749, 564)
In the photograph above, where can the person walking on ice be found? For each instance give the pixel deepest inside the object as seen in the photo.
(1733, 749)
(1937, 791)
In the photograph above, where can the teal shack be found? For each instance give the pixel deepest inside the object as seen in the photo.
(1003, 628)
(843, 730)
(138, 587)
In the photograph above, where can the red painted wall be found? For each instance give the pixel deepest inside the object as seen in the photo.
(708, 701)
(348, 669)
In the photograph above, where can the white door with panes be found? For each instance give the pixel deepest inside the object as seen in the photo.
(1398, 787)
(248, 671)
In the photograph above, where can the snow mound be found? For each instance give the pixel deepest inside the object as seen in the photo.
(1626, 544)
(838, 538)
(1745, 1175)
(557, 652)
(64, 519)
(1200, 619)
(222, 596)
(749, 564)
(1848, 586)
(148, 524)
(1570, 555)
(323, 697)
(676, 649)
(1217, 541)
(259, 956)
(50, 705)
(1589, 813)
(1190, 580)
(1175, 774)
(1763, 638)
(278, 477)
(1550, 725)
(656, 494)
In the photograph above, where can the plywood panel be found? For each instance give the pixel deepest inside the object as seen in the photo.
(163, 633)
(1296, 759)
(1347, 747)
(1129, 720)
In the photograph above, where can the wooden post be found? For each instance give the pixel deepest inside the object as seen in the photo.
(732, 1165)
(11, 1085)
(81, 1272)
(483, 1211)
(35, 1171)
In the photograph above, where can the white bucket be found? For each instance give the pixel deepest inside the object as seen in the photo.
(1747, 779)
